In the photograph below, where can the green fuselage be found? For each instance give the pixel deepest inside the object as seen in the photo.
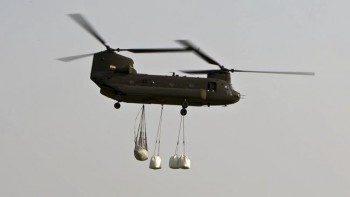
(118, 80)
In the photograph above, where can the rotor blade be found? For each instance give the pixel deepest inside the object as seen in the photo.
(71, 58)
(200, 71)
(156, 50)
(275, 72)
(232, 70)
(86, 25)
(198, 52)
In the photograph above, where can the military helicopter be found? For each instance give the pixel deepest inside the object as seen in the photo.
(117, 78)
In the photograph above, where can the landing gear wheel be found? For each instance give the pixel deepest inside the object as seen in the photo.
(183, 112)
(117, 105)
(118, 97)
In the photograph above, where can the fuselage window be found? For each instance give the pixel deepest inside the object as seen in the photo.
(211, 86)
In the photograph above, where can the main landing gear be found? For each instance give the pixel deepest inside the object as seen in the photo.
(117, 105)
(183, 111)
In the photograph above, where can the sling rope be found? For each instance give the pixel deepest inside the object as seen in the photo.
(135, 132)
(159, 132)
(141, 137)
(183, 134)
(182, 126)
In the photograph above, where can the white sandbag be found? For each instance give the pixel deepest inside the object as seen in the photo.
(174, 162)
(184, 162)
(155, 162)
(140, 153)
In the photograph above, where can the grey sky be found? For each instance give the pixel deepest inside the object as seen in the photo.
(290, 136)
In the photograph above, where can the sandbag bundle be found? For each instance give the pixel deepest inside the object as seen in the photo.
(155, 162)
(140, 153)
(174, 161)
(141, 149)
(182, 161)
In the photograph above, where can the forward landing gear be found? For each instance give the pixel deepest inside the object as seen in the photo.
(118, 98)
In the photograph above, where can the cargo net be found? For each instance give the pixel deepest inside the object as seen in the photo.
(155, 162)
(140, 136)
(181, 161)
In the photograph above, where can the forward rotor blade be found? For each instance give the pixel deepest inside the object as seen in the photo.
(86, 25)
(159, 50)
(71, 58)
(247, 71)
(208, 59)
(275, 72)
(200, 72)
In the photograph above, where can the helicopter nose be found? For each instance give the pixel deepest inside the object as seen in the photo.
(236, 97)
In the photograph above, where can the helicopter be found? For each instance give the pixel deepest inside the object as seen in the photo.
(117, 78)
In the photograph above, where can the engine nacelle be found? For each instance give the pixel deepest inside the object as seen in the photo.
(126, 69)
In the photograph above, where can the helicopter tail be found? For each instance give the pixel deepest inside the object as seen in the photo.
(107, 61)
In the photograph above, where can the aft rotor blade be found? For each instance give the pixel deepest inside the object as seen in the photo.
(71, 58)
(159, 50)
(275, 72)
(86, 25)
(204, 56)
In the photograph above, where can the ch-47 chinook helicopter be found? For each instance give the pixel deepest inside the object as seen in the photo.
(117, 78)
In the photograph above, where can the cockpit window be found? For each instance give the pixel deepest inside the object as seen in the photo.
(229, 90)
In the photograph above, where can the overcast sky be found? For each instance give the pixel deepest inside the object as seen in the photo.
(289, 136)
